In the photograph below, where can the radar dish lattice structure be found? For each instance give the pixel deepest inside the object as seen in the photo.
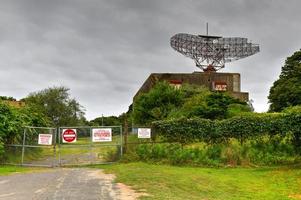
(210, 53)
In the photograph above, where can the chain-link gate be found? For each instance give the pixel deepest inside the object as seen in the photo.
(138, 135)
(36, 147)
(89, 145)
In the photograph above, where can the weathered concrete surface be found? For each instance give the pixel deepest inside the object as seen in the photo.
(62, 184)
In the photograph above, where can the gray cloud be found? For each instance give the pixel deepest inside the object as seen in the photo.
(104, 50)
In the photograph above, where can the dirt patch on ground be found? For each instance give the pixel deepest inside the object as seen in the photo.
(124, 192)
(127, 193)
(295, 196)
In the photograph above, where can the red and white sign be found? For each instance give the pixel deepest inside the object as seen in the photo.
(101, 135)
(175, 83)
(45, 139)
(144, 133)
(220, 86)
(69, 135)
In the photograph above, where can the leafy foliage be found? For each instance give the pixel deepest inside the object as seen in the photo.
(249, 126)
(217, 106)
(13, 120)
(286, 91)
(7, 98)
(106, 121)
(57, 105)
(156, 104)
(259, 152)
(166, 102)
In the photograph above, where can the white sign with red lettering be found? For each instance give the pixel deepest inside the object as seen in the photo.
(69, 135)
(101, 135)
(45, 139)
(144, 133)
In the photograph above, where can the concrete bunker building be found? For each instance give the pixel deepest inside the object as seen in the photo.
(229, 82)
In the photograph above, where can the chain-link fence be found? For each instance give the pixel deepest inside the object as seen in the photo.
(89, 145)
(137, 135)
(36, 147)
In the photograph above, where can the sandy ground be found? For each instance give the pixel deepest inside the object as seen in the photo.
(64, 184)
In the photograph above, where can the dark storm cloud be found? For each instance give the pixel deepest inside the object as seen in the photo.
(104, 50)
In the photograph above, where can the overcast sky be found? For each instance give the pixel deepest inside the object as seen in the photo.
(103, 50)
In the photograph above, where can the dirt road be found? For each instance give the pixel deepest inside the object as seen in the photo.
(63, 184)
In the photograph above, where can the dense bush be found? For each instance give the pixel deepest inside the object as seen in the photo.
(164, 101)
(12, 122)
(157, 103)
(250, 126)
(233, 153)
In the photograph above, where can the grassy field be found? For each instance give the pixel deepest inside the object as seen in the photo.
(169, 182)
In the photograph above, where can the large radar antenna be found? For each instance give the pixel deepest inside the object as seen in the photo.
(210, 53)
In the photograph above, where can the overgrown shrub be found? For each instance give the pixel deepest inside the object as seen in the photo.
(242, 128)
(233, 153)
(12, 122)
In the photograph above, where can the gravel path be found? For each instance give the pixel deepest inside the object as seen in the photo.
(63, 184)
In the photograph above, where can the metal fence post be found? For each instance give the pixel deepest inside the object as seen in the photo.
(59, 135)
(23, 146)
(91, 149)
(54, 147)
(121, 141)
(126, 132)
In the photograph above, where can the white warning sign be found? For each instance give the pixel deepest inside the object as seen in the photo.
(101, 135)
(144, 133)
(45, 139)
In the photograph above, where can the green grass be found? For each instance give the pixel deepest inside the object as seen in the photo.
(169, 182)
(6, 169)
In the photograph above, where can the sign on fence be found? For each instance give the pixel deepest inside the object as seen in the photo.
(69, 135)
(102, 135)
(45, 139)
(144, 133)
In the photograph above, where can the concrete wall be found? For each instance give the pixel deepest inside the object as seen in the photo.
(232, 81)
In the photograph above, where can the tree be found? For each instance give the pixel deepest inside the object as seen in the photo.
(156, 104)
(286, 91)
(164, 101)
(210, 105)
(106, 121)
(6, 98)
(58, 106)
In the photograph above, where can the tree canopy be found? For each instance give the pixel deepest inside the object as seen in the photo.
(286, 91)
(164, 101)
(209, 105)
(58, 106)
(156, 104)
(6, 98)
(107, 121)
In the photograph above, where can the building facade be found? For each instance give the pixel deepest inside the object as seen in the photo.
(214, 81)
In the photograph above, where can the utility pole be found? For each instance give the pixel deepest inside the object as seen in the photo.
(101, 119)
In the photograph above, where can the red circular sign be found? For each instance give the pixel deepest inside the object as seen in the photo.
(69, 135)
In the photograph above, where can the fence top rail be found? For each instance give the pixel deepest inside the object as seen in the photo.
(90, 127)
(139, 127)
(37, 127)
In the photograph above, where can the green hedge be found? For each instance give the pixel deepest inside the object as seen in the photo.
(243, 127)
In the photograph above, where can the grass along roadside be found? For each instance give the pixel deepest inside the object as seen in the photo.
(8, 169)
(169, 182)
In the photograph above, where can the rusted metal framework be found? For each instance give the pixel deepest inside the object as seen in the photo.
(210, 53)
